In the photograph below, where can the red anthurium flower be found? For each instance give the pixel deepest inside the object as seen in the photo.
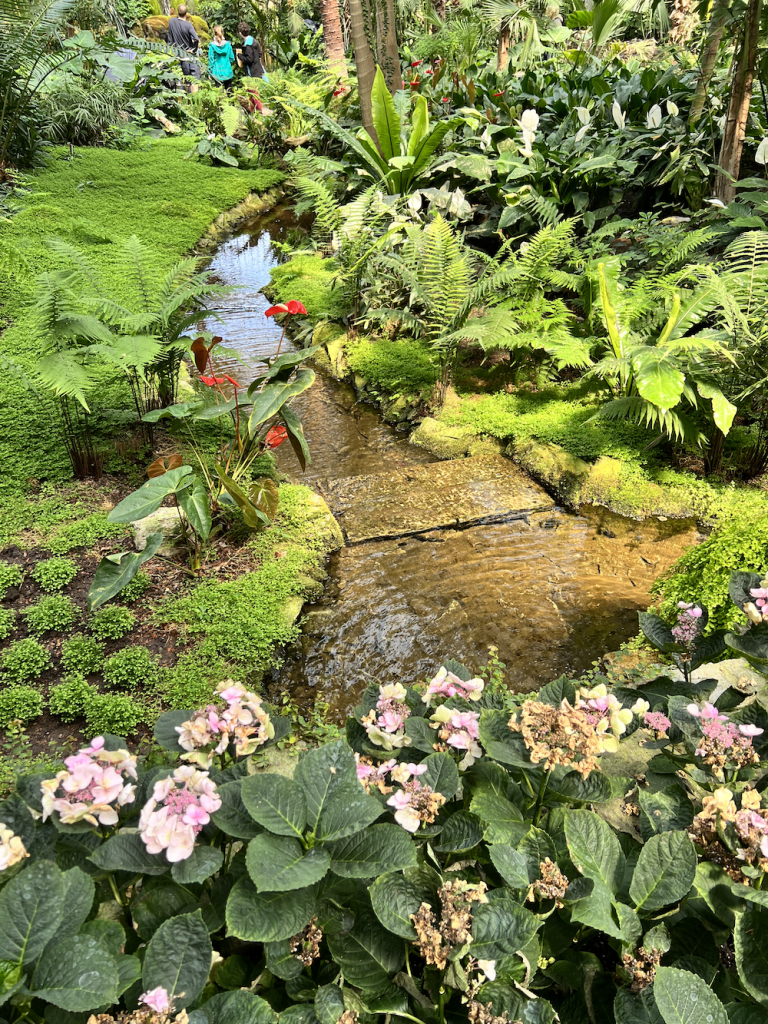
(427, 72)
(211, 381)
(338, 92)
(415, 63)
(295, 307)
(231, 381)
(498, 93)
(273, 310)
(446, 99)
(275, 437)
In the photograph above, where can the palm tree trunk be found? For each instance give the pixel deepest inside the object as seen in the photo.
(738, 108)
(365, 63)
(709, 58)
(388, 49)
(502, 56)
(334, 41)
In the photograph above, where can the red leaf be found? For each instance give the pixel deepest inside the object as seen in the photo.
(275, 437)
(273, 310)
(200, 353)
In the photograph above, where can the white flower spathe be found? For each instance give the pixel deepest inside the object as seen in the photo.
(653, 118)
(618, 115)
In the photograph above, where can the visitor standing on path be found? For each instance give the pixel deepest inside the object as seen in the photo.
(221, 57)
(250, 55)
(182, 33)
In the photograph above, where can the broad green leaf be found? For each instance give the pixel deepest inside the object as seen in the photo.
(666, 810)
(594, 849)
(657, 631)
(385, 119)
(423, 152)
(110, 934)
(395, 897)
(511, 865)
(347, 811)
(178, 958)
(150, 496)
(596, 908)
(276, 803)
(32, 906)
(280, 863)
(232, 817)
(165, 729)
(639, 1008)
(419, 124)
(462, 831)
(128, 971)
(751, 942)
(77, 974)
(501, 928)
(296, 436)
(267, 916)
(214, 412)
(155, 905)
(78, 898)
(176, 412)
(441, 774)
(684, 998)
(238, 1007)
(273, 397)
(204, 862)
(536, 847)
(372, 852)
(658, 377)
(723, 411)
(573, 788)
(265, 496)
(196, 504)
(115, 572)
(503, 820)
(323, 772)
(254, 518)
(499, 742)
(127, 852)
(664, 872)
(329, 1004)
(753, 645)
(280, 960)
(368, 954)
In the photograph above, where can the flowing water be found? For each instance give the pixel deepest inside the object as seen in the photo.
(551, 590)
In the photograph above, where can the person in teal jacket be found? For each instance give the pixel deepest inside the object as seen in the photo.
(221, 57)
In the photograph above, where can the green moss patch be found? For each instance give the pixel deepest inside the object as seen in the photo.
(310, 279)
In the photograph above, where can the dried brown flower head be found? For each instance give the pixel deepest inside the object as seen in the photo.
(479, 1014)
(141, 1016)
(558, 736)
(642, 966)
(306, 945)
(349, 1017)
(552, 884)
(436, 940)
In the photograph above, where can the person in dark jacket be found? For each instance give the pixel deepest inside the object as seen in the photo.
(250, 54)
(181, 33)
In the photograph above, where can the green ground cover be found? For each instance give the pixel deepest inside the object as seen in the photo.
(99, 197)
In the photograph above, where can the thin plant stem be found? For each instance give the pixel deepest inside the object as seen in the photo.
(540, 798)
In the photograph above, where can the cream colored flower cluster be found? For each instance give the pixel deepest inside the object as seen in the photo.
(92, 788)
(239, 718)
(12, 849)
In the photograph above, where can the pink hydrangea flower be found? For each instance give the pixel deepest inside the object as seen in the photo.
(180, 806)
(156, 999)
(240, 719)
(92, 787)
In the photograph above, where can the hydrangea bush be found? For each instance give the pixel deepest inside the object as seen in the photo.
(586, 855)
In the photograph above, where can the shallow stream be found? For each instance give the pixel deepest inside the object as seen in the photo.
(553, 590)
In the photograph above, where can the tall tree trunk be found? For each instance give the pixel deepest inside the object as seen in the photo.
(709, 58)
(334, 41)
(165, 7)
(389, 53)
(365, 63)
(738, 108)
(502, 56)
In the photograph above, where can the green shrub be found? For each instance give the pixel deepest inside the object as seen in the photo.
(24, 660)
(10, 576)
(112, 622)
(7, 622)
(702, 573)
(118, 715)
(54, 613)
(137, 588)
(70, 698)
(192, 680)
(54, 573)
(82, 654)
(83, 533)
(19, 702)
(131, 668)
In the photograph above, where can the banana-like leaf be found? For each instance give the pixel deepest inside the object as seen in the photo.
(150, 496)
(271, 399)
(385, 119)
(254, 518)
(611, 320)
(115, 572)
(723, 411)
(195, 503)
(423, 152)
(296, 436)
(419, 125)
(659, 379)
(214, 412)
(179, 411)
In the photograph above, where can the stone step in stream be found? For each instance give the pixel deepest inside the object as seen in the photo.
(416, 499)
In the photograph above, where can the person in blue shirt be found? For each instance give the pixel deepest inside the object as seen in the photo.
(221, 57)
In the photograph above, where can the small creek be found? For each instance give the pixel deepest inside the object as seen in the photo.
(553, 591)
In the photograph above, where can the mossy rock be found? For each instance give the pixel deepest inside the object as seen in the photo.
(200, 25)
(443, 441)
(156, 27)
(613, 484)
(555, 468)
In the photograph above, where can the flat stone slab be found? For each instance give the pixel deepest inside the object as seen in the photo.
(461, 492)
